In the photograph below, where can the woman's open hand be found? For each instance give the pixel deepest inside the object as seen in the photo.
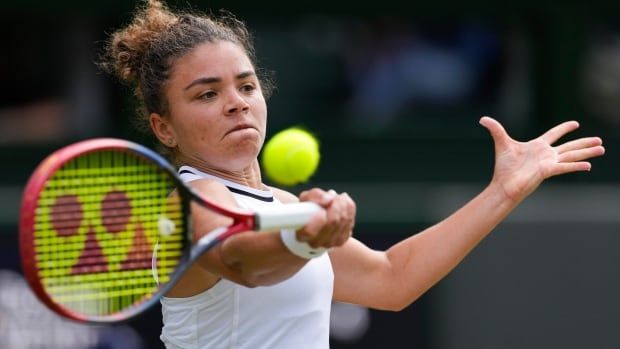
(521, 166)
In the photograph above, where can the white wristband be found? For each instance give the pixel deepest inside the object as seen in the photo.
(299, 248)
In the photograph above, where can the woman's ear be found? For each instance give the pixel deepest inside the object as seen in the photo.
(163, 130)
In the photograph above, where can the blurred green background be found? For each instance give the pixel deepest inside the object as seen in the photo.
(394, 91)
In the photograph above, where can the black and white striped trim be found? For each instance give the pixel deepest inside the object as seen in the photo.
(262, 195)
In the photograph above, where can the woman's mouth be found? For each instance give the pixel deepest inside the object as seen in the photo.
(241, 127)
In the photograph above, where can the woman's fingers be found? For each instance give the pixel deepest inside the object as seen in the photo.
(319, 196)
(317, 225)
(567, 167)
(313, 228)
(579, 144)
(581, 154)
(557, 132)
(344, 210)
(349, 224)
(338, 219)
(334, 225)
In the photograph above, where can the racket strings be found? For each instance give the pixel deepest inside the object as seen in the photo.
(98, 225)
(75, 222)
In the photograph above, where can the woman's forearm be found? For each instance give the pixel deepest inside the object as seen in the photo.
(422, 260)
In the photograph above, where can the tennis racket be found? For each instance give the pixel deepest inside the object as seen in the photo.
(104, 234)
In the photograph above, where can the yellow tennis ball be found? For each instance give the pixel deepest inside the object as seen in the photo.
(291, 156)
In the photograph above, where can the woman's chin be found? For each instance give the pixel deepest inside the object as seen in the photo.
(242, 158)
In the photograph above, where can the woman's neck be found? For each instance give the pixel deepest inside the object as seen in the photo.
(249, 176)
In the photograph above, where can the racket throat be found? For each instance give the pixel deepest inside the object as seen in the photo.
(216, 236)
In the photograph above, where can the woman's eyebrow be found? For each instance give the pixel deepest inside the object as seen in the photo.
(211, 80)
(203, 81)
(245, 74)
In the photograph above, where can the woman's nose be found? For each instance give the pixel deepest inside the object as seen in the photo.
(236, 104)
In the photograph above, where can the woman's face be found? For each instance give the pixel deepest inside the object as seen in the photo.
(218, 114)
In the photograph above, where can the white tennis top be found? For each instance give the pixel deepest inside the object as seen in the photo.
(293, 314)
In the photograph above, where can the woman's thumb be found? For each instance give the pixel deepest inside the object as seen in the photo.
(499, 135)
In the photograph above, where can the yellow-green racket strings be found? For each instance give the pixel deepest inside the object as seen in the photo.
(107, 230)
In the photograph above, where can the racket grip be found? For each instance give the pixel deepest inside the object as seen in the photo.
(287, 216)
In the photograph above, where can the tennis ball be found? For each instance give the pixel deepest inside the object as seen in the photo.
(291, 156)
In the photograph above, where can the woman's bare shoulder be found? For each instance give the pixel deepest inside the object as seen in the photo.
(284, 196)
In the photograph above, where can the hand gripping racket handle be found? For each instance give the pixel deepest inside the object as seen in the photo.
(288, 216)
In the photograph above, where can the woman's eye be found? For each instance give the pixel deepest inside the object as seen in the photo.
(207, 95)
(248, 88)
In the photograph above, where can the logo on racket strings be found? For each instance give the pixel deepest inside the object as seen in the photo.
(112, 231)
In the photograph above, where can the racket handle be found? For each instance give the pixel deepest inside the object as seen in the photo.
(288, 216)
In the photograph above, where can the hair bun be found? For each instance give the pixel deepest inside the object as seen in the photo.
(124, 53)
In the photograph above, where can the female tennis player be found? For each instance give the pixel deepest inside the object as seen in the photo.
(204, 100)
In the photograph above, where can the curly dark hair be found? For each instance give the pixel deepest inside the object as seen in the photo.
(142, 54)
